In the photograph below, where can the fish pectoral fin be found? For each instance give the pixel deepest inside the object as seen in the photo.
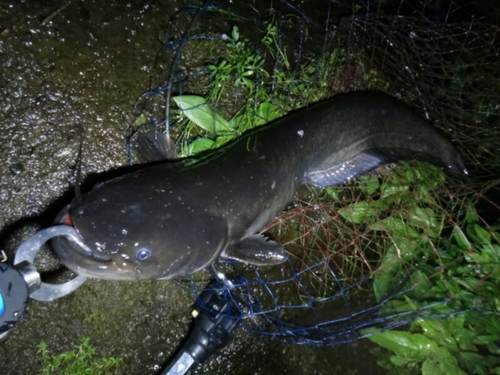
(339, 173)
(257, 250)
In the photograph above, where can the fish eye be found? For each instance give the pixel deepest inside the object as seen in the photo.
(143, 254)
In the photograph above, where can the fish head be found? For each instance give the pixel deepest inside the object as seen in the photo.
(137, 241)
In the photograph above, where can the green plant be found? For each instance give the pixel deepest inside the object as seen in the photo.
(403, 207)
(239, 68)
(447, 267)
(78, 361)
(266, 90)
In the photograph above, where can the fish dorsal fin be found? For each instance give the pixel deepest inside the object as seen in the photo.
(338, 173)
(78, 178)
(150, 147)
(257, 250)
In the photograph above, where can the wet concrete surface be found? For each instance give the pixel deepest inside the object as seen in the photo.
(78, 75)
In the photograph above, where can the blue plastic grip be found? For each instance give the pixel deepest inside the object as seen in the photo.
(2, 305)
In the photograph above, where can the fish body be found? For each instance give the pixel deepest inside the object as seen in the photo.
(171, 219)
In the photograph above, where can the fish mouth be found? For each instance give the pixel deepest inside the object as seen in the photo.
(82, 260)
(61, 245)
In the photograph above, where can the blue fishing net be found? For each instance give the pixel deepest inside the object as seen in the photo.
(389, 249)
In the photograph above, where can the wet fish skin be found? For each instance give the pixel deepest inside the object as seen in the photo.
(187, 216)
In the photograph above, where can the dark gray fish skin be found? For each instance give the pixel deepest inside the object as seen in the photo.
(187, 216)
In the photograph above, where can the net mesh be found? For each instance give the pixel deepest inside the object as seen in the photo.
(398, 245)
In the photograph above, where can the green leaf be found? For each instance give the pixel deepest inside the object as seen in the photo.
(412, 345)
(202, 114)
(237, 123)
(392, 187)
(199, 145)
(332, 193)
(461, 238)
(482, 234)
(267, 112)
(410, 348)
(478, 364)
(441, 362)
(425, 218)
(471, 215)
(439, 330)
(361, 212)
(384, 276)
(369, 185)
(396, 226)
(467, 283)
(222, 140)
(421, 283)
(140, 120)
(235, 34)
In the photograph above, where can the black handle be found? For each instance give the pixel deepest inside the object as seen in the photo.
(215, 321)
(212, 326)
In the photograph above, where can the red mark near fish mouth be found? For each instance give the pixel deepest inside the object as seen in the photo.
(67, 220)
